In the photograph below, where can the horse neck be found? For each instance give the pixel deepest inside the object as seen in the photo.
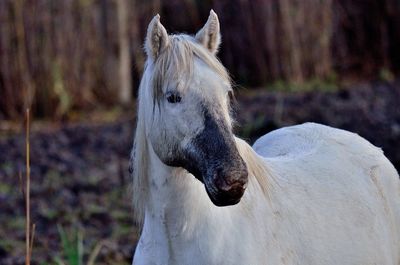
(172, 189)
(176, 196)
(179, 212)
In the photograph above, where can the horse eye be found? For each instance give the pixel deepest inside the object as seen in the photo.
(173, 98)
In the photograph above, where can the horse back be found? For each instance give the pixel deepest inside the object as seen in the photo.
(322, 168)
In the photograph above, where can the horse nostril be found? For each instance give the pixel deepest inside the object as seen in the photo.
(237, 189)
(227, 189)
(230, 181)
(231, 188)
(221, 184)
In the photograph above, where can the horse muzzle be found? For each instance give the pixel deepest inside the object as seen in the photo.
(226, 189)
(213, 158)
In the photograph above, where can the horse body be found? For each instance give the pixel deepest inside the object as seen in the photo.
(337, 197)
(335, 200)
(307, 194)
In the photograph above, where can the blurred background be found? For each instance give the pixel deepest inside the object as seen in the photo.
(77, 65)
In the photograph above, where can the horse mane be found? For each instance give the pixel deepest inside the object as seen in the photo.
(255, 166)
(138, 164)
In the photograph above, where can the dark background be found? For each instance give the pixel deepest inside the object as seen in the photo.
(59, 56)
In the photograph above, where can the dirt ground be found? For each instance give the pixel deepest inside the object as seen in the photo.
(80, 178)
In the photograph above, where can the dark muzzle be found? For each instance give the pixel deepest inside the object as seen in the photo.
(213, 158)
(227, 187)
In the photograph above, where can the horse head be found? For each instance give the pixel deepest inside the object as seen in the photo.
(189, 124)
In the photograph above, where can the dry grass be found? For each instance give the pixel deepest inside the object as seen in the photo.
(29, 230)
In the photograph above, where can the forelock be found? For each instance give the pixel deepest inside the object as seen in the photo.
(176, 63)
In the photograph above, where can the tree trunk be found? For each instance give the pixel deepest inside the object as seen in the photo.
(125, 85)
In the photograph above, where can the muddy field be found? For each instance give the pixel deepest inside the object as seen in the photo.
(80, 179)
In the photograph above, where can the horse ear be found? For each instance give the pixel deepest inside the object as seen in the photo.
(209, 35)
(156, 39)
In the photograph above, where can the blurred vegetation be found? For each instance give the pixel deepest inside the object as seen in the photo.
(312, 84)
(62, 56)
(72, 247)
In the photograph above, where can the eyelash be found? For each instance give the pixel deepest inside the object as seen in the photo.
(173, 98)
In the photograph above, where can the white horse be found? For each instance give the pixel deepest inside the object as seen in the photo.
(307, 194)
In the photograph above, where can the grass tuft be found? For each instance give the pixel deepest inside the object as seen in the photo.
(72, 246)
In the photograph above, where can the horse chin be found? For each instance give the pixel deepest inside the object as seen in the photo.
(223, 202)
